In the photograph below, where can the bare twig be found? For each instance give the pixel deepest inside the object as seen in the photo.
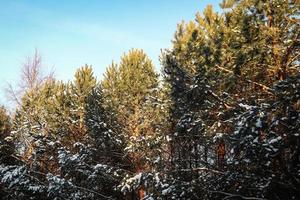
(31, 77)
(12, 94)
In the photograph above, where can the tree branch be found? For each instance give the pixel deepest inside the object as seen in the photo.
(229, 196)
(202, 169)
(264, 87)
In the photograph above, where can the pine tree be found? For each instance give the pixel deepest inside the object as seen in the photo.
(220, 66)
(101, 130)
(80, 89)
(132, 92)
(6, 147)
(127, 87)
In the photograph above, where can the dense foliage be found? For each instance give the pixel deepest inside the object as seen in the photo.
(222, 120)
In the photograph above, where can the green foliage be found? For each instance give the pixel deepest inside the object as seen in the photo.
(223, 123)
(5, 123)
(132, 93)
(103, 131)
(220, 65)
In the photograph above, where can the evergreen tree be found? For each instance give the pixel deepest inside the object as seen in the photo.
(129, 88)
(6, 147)
(222, 124)
(219, 66)
(82, 86)
(102, 132)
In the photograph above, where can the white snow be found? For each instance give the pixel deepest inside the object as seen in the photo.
(274, 140)
(258, 123)
(247, 107)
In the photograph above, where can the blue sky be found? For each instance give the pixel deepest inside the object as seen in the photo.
(71, 33)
